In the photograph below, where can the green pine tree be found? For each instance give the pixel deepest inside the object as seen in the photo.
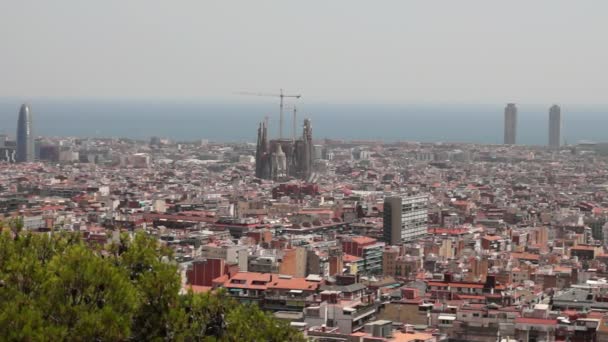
(56, 287)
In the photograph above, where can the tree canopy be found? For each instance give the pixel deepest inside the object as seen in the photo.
(55, 286)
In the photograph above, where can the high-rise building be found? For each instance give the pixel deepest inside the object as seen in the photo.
(510, 124)
(25, 136)
(405, 218)
(555, 126)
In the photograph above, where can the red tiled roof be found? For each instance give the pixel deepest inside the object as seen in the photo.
(535, 321)
(252, 276)
(293, 284)
(524, 255)
(363, 240)
(221, 279)
(462, 296)
(350, 258)
(245, 280)
(199, 289)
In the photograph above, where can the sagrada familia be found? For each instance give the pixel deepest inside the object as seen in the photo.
(280, 159)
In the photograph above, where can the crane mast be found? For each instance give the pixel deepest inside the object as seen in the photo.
(281, 116)
(281, 97)
(293, 129)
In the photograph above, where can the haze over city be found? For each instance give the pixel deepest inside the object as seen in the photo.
(337, 171)
(400, 52)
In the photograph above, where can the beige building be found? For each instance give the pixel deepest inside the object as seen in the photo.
(294, 262)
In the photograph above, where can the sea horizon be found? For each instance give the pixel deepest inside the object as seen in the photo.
(237, 121)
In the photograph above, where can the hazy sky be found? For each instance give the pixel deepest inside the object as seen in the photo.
(416, 51)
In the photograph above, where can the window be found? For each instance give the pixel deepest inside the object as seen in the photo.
(475, 315)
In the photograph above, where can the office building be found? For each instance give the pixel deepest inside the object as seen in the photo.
(405, 218)
(25, 136)
(510, 124)
(555, 126)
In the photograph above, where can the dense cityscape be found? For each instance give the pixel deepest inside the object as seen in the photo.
(345, 240)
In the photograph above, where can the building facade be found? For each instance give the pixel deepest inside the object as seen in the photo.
(555, 126)
(25, 136)
(510, 124)
(405, 218)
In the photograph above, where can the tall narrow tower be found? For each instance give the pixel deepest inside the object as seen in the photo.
(307, 154)
(262, 162)
(25, 136)
(555, 126)
(510, 124)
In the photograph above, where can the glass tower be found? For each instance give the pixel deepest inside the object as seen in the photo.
(25, 136)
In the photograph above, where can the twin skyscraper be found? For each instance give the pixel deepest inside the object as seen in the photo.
(555, 125)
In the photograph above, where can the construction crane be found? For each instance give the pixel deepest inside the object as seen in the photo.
(293, 120)
(281, 96)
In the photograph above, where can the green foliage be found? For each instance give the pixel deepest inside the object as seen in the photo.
(218, 317)
(55, 287)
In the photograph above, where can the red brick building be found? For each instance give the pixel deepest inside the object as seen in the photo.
(202, 272)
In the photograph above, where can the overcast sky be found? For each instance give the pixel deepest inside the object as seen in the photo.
(406, 51)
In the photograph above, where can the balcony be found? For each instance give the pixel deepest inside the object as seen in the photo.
(244, 294)
(312, 312)
(284, 305)
(362, 311)
(362, 316)
(287, 302)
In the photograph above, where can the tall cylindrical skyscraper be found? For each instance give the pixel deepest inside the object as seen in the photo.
(555, 126)
(510, 124)
(25, 136)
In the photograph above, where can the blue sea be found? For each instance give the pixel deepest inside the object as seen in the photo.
(237, 122)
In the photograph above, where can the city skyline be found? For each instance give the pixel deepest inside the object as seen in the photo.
(454, 187)
(513, 126)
